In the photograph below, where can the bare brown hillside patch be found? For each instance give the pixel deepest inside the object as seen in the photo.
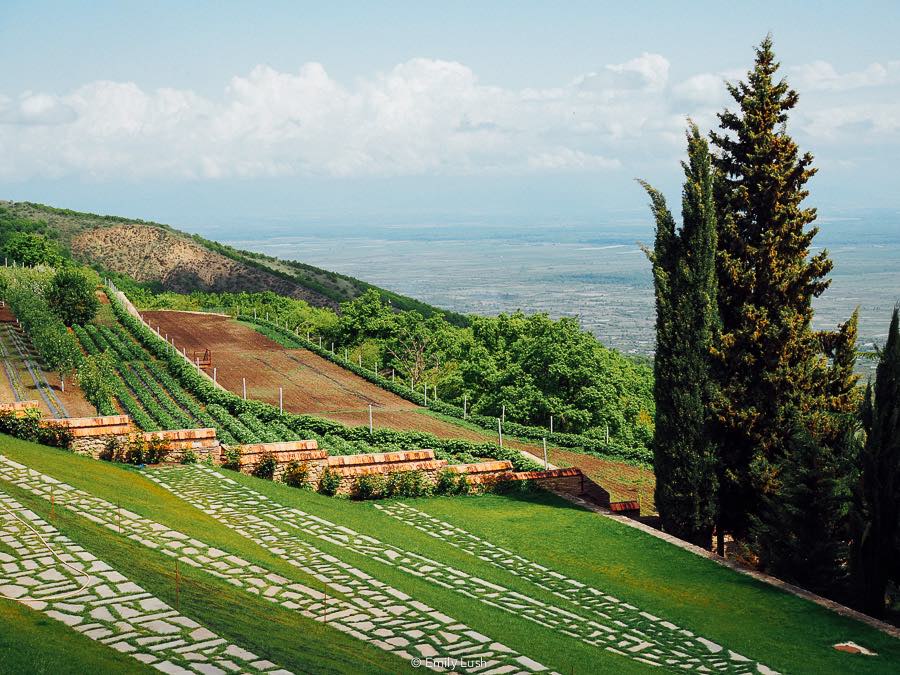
(148, 253)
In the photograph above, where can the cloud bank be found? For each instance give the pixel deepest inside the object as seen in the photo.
(424, 116)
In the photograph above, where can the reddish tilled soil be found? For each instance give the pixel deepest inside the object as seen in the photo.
(316, 386)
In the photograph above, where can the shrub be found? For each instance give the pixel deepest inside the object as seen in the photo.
(232, 458)
(111, 450)
(265, 467)
(97, 378)
(189, 457)
(407, 484)
(329, 482)
(54, 435)
(451, 483)
(27, 427)
(296, 474)
(71, 296)
(369, 486)
(139, 450)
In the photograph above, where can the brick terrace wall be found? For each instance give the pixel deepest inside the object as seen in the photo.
(303, 452)
(20, 408)
(92, 434)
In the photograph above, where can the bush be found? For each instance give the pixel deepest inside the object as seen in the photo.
(296, 474)
(451, 483)
(54, 435)
(369, 486)
(28, 427)
(72, 298)
(329, 482)
(138, 450)
(232, 457)
(189, 457)
(407, 484)
(265, 467)
(111, 450)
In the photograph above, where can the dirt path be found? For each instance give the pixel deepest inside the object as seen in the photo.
(316, 386)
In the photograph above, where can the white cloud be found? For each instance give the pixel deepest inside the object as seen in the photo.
(423, 116)
(823, 76)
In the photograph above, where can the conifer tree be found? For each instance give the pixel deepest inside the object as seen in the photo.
(876, 545)
(802, 528)
(686, 319)
(768, 361)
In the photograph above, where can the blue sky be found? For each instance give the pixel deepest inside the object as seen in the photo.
(197, 113)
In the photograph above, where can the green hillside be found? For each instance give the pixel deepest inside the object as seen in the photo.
(164, 258)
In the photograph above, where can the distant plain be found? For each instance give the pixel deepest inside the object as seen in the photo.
(596, 271)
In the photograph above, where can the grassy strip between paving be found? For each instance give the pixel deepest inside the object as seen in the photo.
(285, 637)
(33, 643)
(783, 631)
(761, 622)
(756, 620)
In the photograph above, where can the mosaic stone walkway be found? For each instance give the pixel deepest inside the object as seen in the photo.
(600, 604)
(368, 610)
(48, 572)
(611, 624)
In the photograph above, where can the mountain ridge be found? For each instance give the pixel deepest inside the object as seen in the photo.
(166, 258)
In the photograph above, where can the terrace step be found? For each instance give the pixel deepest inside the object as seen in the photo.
(20, 408)
(381, 458)
(89, 427)
(500, 466)
(285, 452)
(185, 439)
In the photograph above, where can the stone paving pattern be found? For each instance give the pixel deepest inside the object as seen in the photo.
(605, 607)
(91, 597)
(372, 611)
(612, 624)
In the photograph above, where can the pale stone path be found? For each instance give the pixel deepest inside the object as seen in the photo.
(600, 604)
(611, 624)
(50, 573)
(368, 610)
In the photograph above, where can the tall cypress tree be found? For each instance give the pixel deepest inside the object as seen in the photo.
(686, 320)
(876, 545)
(768, 360)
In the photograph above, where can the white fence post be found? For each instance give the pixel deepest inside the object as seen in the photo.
(370, 419)
(280, 399)
(215, 370)
(465, 405)
(244, 382)
(500, 431)
(551, 425)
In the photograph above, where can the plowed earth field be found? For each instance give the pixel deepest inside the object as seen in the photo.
(313, 385)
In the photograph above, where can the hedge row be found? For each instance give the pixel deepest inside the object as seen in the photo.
(579, 442)
(203, 388)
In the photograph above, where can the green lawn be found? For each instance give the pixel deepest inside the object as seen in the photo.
(285, 637)
(33, 643)
(780, 630)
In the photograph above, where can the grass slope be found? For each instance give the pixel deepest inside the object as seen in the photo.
(30, 642)
(753, 618)
(785, 632)
(289, 639)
